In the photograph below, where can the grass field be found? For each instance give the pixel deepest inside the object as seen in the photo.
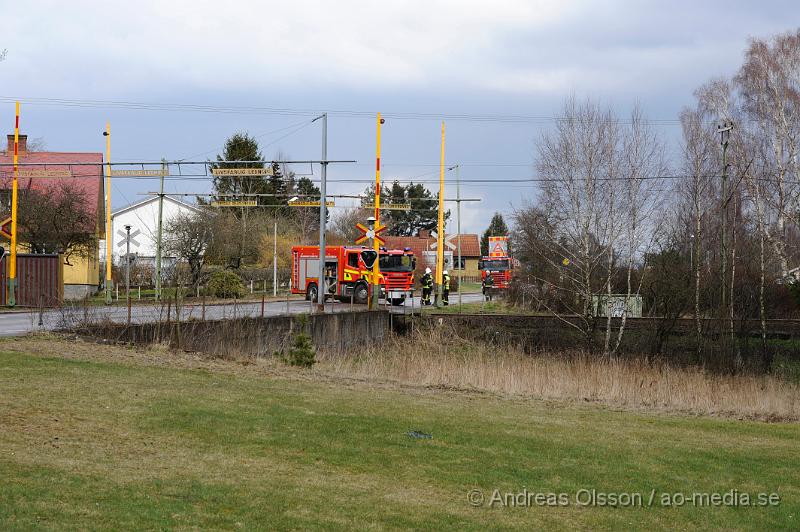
(114, 438)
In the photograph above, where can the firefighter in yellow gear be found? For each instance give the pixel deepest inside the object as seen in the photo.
(427, 286)
(445, 288)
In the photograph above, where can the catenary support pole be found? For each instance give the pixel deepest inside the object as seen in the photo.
(458, 228)
(322, 215)
(159, 236)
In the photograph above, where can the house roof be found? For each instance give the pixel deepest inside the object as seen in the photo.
(470, 244)
(88, 179)
(138, 204)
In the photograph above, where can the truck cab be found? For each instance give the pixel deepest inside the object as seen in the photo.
(496, 268)
(397, 273)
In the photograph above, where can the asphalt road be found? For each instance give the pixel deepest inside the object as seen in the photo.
(20, 323)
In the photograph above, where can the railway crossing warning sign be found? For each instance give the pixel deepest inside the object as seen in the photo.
(124, 240)
(5, 228)
(367, 233)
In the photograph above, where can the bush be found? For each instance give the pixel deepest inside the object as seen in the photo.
(302, 352)
(225, 283)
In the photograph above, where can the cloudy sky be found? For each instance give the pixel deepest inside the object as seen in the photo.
(494, 70)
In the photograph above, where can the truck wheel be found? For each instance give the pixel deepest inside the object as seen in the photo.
(397, 301)
(361, 294)
(311, 292)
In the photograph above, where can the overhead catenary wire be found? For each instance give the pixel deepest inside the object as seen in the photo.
(302, 124)
(287, 111)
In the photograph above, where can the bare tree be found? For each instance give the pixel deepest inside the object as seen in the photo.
(343, 225)
(642, 199)
(57, 219)
(769, 85)
(593, 220)
(188, 237)
(695, 189)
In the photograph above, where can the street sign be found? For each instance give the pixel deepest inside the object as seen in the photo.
(37, 172)
(241, 171)
(234, 203)
(309, 204)
(367, 233)
(391, 206)
(5, 228)
(139, 173)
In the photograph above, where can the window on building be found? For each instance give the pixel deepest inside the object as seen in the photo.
(462, 265)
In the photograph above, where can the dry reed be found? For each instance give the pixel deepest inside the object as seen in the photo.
(423, 359)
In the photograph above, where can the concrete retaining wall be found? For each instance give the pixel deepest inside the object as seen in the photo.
(253, 336)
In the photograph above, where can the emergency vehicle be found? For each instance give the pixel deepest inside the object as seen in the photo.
(497, 266)
(397, 273)
(348, 272)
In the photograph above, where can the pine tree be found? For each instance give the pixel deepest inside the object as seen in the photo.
(424, 213)
(497, 227)
(239, 147)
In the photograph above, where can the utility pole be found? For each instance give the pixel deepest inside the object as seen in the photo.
(458, 237)
(275, 260)
(12, 267)
(322, 214)
(440, 228)
(160, 229)
(376, 288)
(109, 228)
(724, 130)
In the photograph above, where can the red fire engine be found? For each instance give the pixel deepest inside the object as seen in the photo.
(496, 268)
(348, 272)
(397, 273)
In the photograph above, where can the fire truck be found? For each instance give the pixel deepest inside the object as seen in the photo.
(397, 273)
(496, 268)
(348, 272)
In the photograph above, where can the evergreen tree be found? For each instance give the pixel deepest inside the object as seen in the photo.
(424, 213)
(497, 227)
(239, 147)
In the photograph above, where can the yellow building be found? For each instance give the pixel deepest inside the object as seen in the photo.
(50, 172)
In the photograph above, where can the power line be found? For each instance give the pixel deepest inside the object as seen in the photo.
(180, 107)
(302, 124)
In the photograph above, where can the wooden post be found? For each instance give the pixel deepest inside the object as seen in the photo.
(203, 311)
(177, 322)
(263, 297)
